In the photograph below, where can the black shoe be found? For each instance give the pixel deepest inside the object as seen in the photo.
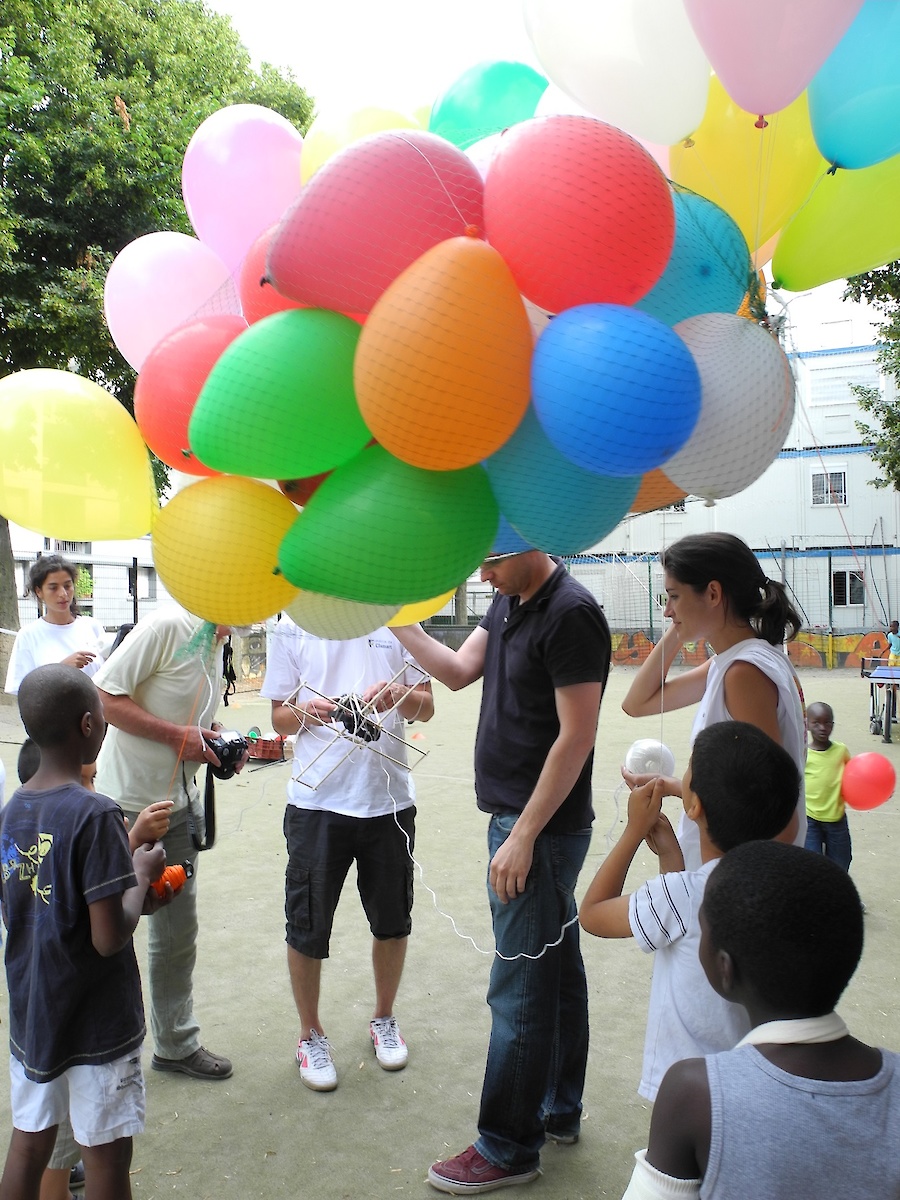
(76, 1177)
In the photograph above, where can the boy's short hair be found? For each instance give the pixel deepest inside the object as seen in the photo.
(791, 920)
(748, 784)
(52, 701)
(29, 760)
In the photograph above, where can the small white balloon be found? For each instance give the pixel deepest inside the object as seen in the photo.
(646, 756)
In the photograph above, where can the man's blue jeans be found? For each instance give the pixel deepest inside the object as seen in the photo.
(537, 1055)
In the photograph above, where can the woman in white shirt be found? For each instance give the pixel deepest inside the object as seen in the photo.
(718, 593)
(60, 635)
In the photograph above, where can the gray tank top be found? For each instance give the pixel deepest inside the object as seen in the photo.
(777, 1136)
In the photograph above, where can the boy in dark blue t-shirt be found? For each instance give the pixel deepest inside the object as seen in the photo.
(72, 894)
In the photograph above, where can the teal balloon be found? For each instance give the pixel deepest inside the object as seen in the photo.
(380, 531)
(485, 99)
(709, 268)
(854, 98)
(553, 504)
(279, 402)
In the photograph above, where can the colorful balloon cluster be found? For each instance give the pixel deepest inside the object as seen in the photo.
(508, 329)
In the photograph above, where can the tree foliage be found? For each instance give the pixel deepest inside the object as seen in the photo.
(99, 100)
(881, 288)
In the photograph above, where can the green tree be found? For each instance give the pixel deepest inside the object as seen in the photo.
(100, 99)
(881, 288)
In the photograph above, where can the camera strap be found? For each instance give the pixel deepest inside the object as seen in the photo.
(209, 812)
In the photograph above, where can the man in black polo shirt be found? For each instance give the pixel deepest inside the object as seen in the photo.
(544, 651)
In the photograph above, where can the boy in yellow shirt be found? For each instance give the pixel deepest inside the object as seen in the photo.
(827, 831)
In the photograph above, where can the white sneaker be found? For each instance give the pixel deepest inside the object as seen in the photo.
(314, 1060)
(390, 1048)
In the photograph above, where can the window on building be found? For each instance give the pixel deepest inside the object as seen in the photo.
(829, 487)
(847, 587)
(143, 583)
(831, 385)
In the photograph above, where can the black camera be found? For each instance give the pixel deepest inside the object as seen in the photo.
(228, 746)
(350, 713)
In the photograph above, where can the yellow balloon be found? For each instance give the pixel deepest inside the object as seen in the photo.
(73, 464)
(331, 132)
(759, 176)
(412, 614)
(215, 546)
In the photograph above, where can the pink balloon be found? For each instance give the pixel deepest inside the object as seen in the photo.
(765, 52)
(241, 171)
(160, 281)
(368, 214)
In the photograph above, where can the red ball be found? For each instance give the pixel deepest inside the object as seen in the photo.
(580, 212)
(869, 780)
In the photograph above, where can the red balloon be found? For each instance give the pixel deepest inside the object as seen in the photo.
(369, 213)
(579, 210)
(170, 381)
(299, 490)
(868, 780)
(258, 295)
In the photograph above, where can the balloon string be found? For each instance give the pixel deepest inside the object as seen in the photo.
(450, 199)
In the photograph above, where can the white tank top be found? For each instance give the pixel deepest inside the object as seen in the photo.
(791, 713)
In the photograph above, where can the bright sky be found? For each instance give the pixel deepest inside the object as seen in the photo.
(384, 53)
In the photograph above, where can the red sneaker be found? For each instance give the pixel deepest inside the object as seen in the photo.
(470, 1172)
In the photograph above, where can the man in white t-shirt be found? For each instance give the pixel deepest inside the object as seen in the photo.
(160, 692)
(350, 798)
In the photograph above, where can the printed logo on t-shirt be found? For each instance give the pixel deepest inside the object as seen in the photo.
(27, 863)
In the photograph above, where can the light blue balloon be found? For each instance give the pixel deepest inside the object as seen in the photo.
(555, 505)
(854, 99)
(616, 391)
(709, 268)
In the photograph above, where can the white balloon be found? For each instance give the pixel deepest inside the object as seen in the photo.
(746, 409)
(649, 757)
(336, 619)
(635, 63)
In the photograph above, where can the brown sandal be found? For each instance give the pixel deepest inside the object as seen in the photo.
(202, 1064)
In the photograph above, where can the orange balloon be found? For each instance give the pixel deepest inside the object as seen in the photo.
(443, 362)
(754, 307)
(656, 491)
(258, 295)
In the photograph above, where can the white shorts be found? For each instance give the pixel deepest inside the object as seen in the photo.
(104, 1102)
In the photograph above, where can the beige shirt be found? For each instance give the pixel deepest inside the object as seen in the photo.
(149, 667)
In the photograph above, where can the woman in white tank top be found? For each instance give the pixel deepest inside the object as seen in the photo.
(718, 593)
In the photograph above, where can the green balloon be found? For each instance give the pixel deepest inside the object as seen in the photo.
(380, 531)
(485, 99)
(850, 224)
(279, 402)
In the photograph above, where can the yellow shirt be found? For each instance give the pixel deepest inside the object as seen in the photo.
(824, 772)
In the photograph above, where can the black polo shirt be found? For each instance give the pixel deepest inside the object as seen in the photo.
(559, 637)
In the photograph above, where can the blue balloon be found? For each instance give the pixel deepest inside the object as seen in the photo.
(854, 98)
(557, 506)
(508, 541)
(709, 268)
(615, 390)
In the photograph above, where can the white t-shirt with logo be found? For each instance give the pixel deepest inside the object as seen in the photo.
(330, 771)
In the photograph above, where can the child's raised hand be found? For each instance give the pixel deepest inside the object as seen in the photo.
(661, 837)
(151, 824)
(645, 804)
(634, 780)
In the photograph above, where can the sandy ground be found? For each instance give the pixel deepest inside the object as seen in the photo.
(262, 1134)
